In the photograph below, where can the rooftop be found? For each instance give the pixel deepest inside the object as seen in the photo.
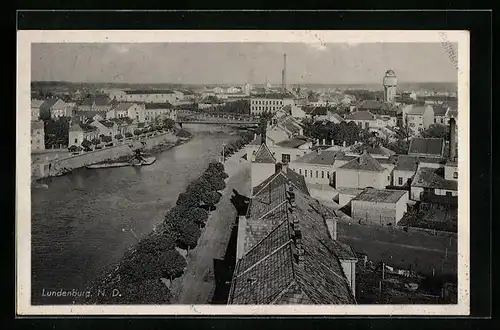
(361, 115)
(107, 123)
(315, 111)
(154, 106)
(418, 111)
(325, 157)
(271, 273)
(264, 155)
(439, 110)
(406, 163)
(123, 106)
(427, 177)
(152, 91)
(380, 195)
(426, 146)
(377, 106)
(293, 143)
(36, 103)
(275, 96)
(365, 162)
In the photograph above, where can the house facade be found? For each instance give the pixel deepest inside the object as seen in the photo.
(80, 132)
(37, 135)
(419, 118)
(156, 111)
(106, 127)
(362, 172)
(134, 111)
(432, 181)
(35, 109)
(55, 108)
(271, 102)
(381, 207)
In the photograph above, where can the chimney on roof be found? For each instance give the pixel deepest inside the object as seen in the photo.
(333, 143)
(324, 142)
(277, 167)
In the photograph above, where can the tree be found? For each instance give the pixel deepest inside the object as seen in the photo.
(137, 132)
(119, 136)
(156, 243)
(168, 123)
(73, 148)
(175, 264)
(128, 135)
(186, 199)
(189, 234)
(196, 215)
(435, 131)
(212, 198)
(56, 132)
(142, 266)
(96, 141)
(86, 144)
(400, 146)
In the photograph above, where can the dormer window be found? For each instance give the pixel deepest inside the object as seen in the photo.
(455, 175)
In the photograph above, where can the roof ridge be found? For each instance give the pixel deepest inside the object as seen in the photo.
(267, 184)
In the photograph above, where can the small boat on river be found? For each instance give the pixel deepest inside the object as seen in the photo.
(137, 160)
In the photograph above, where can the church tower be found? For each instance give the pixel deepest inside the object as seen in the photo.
(390, 83)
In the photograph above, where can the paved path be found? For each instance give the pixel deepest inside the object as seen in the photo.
(197, 285)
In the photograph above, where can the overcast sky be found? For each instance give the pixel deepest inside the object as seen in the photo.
(237, 63)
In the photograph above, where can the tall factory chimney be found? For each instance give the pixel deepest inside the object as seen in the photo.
(283, 76)
(453, 140)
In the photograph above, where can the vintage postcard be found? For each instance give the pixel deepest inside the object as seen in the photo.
(242, 172)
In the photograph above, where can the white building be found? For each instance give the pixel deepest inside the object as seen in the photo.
(270, 102)
(362, 172)
(158, 111)
(419, 118)
(379, 206)
(134, 111)
(37, 135)
(433, 181)
(150, 96)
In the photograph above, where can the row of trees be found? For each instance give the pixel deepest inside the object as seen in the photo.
(141, 274)
(236, 145)
(348, 132)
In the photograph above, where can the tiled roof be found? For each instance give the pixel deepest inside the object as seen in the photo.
(426, 146)
(290, 124)
(380, 195)
(365, 162)
(326, 157)
(427, 177)
(122, 121)
(270, 273)
(264, 155)
(417, 111)
(277, 96)
(37, 125)
(406, 163)
(47, 104)
(102, 101)
(292, 143)
(361, 115)
(439, 110)
(315, 111)
(90, 114)
(154, 106)
(338, 117)
(153, 91)
(377, 150)
(107, 123)
(373, 105)
(123, 106)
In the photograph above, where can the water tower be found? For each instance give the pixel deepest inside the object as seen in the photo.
(390, 84)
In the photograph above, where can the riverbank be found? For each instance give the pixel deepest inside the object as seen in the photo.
(197, 285)
(123, 152)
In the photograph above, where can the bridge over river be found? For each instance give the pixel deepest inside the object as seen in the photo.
(218, 119)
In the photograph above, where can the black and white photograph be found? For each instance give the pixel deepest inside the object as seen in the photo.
(251, 172)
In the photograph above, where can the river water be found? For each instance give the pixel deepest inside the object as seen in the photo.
(85, 221)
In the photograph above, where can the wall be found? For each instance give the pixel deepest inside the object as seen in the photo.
(345, 178)
(415, 123)
(428, 117)
(402, 206)
(260, 172)
(75, 135)
(374, 212)
(442, 192)
(449, 171)
(345, 199)
(349, 268)
(325, 172)
(37, 139)
(415, 193)
(405, 175)
(293, 152)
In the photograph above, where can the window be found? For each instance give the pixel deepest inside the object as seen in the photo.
(328, 175)
(322, 174)
(455, 175)
(285, 158)
(300, 171)
(400, 181)
(305, 173)
(448, 193)
(316, 174)
(76, 140)
(367, 124)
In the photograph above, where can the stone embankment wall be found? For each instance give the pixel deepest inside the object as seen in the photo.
(62, 165)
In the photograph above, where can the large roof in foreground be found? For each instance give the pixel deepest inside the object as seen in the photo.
(271, 273)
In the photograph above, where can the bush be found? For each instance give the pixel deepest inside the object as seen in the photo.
(119, 136)
(74, 148)
(128, 135)
(183, 133)
(96, 141)
(86, 144)
(186, 199)
(137, 132)
(168, 123)
(175, 264)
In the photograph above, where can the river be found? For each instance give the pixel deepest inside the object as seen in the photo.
(86, 220)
